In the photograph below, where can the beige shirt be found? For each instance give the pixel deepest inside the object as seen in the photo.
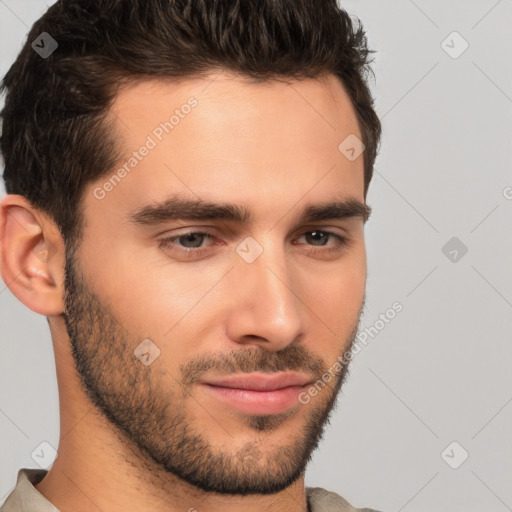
(26, 498)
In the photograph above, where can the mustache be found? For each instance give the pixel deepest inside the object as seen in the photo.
(249, 360)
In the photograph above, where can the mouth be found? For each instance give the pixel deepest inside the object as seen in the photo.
(260, 394)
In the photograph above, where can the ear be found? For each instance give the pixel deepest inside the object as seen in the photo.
(32, 256)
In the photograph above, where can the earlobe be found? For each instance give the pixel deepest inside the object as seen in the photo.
(31, 253)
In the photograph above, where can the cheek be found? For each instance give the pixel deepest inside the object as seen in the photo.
(336, 291)
(336, 297)
(163, 304)
(338, 306)
(148, 295)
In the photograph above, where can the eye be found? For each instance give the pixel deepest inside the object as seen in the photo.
(192, 243)
(191, 239)
(320, 237)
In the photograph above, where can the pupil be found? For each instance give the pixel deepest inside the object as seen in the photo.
(190, 238)
(318, 233)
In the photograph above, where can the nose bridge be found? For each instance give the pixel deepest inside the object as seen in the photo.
(267, 304)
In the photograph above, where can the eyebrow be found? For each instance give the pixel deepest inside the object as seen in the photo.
(176, 208)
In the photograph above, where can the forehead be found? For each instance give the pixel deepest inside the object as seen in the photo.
(229, 99)
(230, 139)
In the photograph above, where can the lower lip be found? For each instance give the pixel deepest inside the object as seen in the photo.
(257, 402)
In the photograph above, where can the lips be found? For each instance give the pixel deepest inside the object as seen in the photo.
(261, 382)
(260, 394)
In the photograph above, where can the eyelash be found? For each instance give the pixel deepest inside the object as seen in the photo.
(168, 242)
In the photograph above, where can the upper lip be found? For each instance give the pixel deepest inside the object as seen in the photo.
(260, 382)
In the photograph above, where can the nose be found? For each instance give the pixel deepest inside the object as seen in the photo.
(267, 307)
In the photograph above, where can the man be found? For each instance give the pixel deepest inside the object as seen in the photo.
(192, 376)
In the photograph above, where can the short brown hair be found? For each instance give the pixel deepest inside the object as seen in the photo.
(56, 134)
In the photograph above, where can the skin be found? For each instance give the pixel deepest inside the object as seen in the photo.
(273, 148)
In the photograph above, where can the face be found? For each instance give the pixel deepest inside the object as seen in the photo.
(231, 248)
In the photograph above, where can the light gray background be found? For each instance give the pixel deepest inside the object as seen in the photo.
(440, 371)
